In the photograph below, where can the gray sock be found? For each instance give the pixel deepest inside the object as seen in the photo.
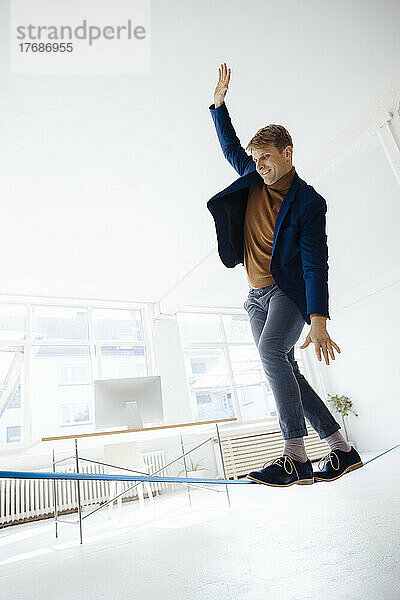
(337, 442)
(295, 449)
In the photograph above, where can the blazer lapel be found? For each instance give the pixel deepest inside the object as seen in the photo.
(287, 201)
(244, 182)
(239, 184)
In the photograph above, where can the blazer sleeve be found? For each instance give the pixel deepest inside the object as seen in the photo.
(229, 142)
(314, 256)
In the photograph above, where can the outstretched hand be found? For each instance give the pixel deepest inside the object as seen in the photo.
(319, 336)
(222, 85)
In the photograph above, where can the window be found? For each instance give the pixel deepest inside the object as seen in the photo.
(68, 347)
(73, 374)
(225, 374)
(73, 414)
(49, 391)
(204, 398)
(209, 385)
(198, 368)
(254, 393)
(15, 401)
(13, 434)
(59, 323)
(200, 328)
(11, 400)
(12, 321)
(237, 328)
(111, 324)
(122, 361)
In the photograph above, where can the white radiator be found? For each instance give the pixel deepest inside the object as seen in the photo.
(32, 499)
(248, 452)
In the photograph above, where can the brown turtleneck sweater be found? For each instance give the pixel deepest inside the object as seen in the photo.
(263, 204)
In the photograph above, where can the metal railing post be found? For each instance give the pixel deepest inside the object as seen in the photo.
(186, 473)
(55, 496)
(223, 464)
(78, 491)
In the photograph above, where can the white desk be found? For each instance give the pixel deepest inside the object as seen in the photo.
(64, 443)
(68, 443)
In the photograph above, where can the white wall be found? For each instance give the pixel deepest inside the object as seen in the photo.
(139, 181)
(363, 201)
(105, 178)
(368, 369)
(364, 255)
(364, 258)
(175, 390)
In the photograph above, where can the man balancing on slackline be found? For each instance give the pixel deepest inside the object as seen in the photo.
(273, 223)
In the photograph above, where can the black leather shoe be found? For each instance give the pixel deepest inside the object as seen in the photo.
(337, 463)
(284, 471)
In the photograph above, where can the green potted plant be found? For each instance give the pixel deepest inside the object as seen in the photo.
(344, 406)
(194, 469)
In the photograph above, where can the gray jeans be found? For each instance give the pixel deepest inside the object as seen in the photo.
(276, 323)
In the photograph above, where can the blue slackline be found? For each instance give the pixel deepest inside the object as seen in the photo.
(137, 478)
(381, 454)
(100, 477)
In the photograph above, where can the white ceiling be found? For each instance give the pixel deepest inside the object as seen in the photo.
(105, 178)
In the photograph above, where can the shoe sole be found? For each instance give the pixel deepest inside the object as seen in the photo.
(348, 470)
(298, 482)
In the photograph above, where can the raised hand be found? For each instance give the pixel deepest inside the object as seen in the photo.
(222, 85)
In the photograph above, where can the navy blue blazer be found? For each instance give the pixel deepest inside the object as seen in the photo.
(299, 260)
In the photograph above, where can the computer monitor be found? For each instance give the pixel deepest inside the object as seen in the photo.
(133, 403)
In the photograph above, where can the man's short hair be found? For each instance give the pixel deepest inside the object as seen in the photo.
(276, 135)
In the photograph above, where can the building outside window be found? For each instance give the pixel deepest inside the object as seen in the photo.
(60, 375)
(209, 383)
(73, 374)
(59, 323)
(122, 325)
(73, 414)
(15, 401)
(66, 349)
(11, 377)
(12, 322)
(13, 434)
(115, 357)
(122, 361)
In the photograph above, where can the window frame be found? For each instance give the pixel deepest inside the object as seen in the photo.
(27, 344)
(8, 444)
(70, 406)
(225, 344)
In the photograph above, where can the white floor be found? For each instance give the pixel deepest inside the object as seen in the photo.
(336, 541)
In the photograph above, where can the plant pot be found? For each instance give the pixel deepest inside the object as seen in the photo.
(199, 474)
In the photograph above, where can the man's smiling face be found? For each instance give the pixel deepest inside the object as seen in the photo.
(272, 164)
